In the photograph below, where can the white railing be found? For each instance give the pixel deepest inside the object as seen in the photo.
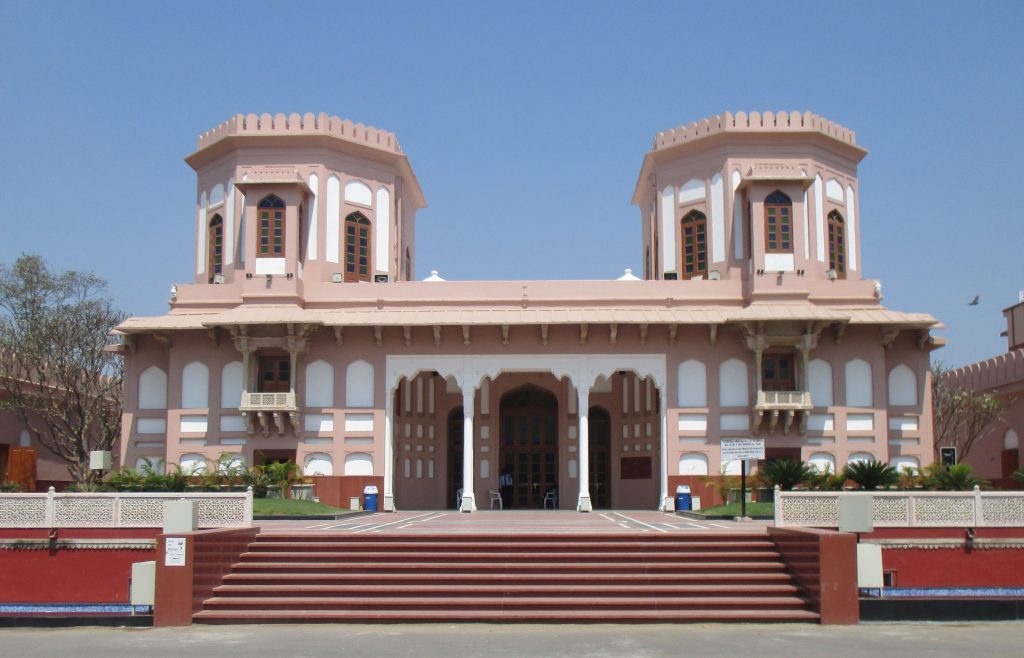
(905, 509)
(269, 402)
(784, 400)
(120, 510)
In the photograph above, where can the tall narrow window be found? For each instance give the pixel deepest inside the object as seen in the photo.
(778, 223)
(695, 244)
(271, 227)
(357, 247)
(215, 240)
(837, 244)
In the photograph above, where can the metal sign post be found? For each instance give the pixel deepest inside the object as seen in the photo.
(742, 449)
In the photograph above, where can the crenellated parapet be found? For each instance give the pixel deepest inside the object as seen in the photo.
(753, 122)
(295, 124)
(997, 372)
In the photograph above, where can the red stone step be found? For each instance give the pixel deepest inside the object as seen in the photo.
(535, 577)
(499, 615)
(511, 557)
(502, 602)
(506, 578)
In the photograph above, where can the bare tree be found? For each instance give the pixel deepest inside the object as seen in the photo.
(960, 415)
(57, 377)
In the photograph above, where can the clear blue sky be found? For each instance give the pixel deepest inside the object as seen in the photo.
(520, 118)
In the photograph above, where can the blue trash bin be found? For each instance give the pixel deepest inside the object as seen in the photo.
(684, 501)
(370, 498)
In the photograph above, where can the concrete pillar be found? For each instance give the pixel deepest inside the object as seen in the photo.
(468, 499)
(389, 451)
(583, 394)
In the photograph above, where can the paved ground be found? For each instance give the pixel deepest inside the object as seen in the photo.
(512, 521)
(491, 641)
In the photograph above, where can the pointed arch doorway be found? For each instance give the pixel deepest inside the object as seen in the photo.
(529, 444)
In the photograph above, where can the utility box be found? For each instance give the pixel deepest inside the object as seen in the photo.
(180, 516)
(869, 565)
(100, 460)
(856, 513)
(353, 504)
(143, 586)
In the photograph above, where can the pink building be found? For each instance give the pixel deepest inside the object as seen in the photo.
(304, 335)
(996, 455)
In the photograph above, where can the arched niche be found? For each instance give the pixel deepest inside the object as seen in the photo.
(153, 388)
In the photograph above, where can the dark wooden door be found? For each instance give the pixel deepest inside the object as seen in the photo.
(777, 372)
(275, 374)
(600, 432)
(455, 452)
(529, 444)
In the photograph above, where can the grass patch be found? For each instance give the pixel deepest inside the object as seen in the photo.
(279, 507)
(733, 509)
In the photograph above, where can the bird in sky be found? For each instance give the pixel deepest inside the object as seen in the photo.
(974, 302)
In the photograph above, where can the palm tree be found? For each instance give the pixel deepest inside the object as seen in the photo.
(786, 473)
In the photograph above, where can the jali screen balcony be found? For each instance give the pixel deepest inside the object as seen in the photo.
(788, 404)
(264, 407)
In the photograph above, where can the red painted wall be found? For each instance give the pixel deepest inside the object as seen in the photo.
(70, 575)
(979, 566)
(337, 490)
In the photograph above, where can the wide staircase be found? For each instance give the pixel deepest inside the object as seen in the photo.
(508, 578)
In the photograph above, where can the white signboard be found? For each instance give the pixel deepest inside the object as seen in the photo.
(174, 554)
(742, 449)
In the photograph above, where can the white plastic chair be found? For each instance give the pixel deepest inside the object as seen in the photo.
(551, 497)
(496, 498)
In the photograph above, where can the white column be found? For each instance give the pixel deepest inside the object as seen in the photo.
(389, 450)
(583, 393)
(468, 499)
(667, 502)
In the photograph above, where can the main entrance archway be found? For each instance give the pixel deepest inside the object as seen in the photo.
(529, 444)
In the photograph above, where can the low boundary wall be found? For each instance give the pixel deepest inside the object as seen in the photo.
(824, 565)
(905, 509)
(120, 510)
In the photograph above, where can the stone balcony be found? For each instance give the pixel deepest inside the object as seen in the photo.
(790, 405)
(265, 408)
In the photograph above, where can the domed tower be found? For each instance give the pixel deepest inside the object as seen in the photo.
(769, 199)
(312, 199)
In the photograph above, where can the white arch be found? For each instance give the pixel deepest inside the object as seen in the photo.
(905, 461)
(693, 384)
(320, 384)
(733, 387)
(192, 464)
(858, 383)
(153, 461)
(692, 190)
(693, 463)
(381, 229)
(359, 384)
(153, 388)
(332, 223)
(823, 461)
(318, 463)
(195, 386)
(1010, 440)
(819, 379)
(860, 457)
(358, 463)
(733, 467)
(902, 386)
(231, 385)
(356, 191)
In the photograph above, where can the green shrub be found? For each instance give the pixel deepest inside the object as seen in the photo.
(786, 473)
(871, 474)
(827, 480)
(10, 486)
(957, 477)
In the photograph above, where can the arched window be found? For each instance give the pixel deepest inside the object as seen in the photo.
(837, 244)
(271, 227)
(215, 239)
(695, 244)
(778, 223)
(357, 247)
